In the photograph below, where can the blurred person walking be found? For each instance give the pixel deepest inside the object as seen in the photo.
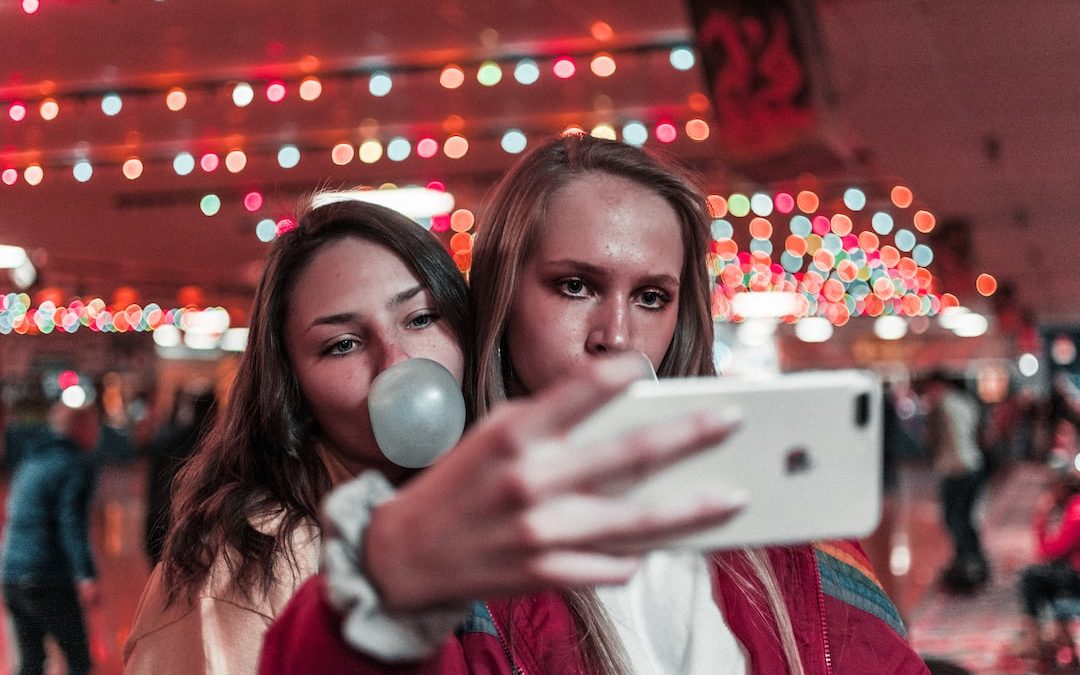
(958, 461)
(48, 568)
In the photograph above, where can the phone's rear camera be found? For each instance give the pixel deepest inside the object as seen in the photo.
(862, 409)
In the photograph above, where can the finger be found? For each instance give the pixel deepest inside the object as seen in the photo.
(583, 521)
(563, 405)
(557, 467)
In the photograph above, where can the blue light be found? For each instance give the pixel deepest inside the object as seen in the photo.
(82, 170)
(854, 199)
(514, 141)
(801, 226)
(288, 156)
(183, 164)
(905, 240)
(398, 149)
(526, 71)
(380, 84)
(722, 229)
(882, 222)
(635, 134)
(761, 204)
(682, 58)
(111, 104)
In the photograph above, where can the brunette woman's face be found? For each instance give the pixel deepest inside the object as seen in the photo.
(603, 278)
(355, 311)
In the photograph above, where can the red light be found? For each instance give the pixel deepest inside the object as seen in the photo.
(564, 68)
(209, 162)
(275, 92)
(68, 378)
(427, 147)
(665, 133)
(253, 201)
(17, 112)
(440, 223)
(437, 185)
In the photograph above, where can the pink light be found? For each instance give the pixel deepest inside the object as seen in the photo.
(665, 133)
(440, 223)
(427, 147)
(785, 203)
(68, 378)
(17, 112)
(564, 68)
(253, 201)
(30, 6)
(820, 225)
(9, 176)
(209, 162)
(275, 92)
(437, 185)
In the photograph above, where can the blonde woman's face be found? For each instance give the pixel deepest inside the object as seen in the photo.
(355, 311)
(603, 278)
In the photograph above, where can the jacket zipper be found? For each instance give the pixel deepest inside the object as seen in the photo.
(821, 614)
(514, 668)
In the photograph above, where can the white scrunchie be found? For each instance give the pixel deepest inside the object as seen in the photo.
(368, 626)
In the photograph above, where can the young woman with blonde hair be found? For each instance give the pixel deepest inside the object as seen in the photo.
(587, 250)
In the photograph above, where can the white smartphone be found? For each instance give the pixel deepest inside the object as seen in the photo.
(807, 455)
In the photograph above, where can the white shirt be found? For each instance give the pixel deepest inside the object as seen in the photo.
(667, 619)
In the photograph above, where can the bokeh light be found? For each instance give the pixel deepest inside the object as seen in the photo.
(288, 156)
(132, 168)
(342, 153)
(682, 58)
(275, 91)
(635, 133)
(235, 161)
(370, 151)
(427, 147)
(901, 196)
(82, 170)
(452, 77)
(398, 149)
(310, 88)
(489, 74)
(455, 147)
(253, 201)
(563, 68)
(242, 95)
(176, 99)
(111, 104)
(210, 204)
(602, 65)
(49, 109)
(526, 71)
(986, 284)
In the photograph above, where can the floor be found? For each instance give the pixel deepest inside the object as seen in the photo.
(909, 550)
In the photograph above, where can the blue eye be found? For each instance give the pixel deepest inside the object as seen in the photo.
(423, 320)
(342, 347)
(653, 298)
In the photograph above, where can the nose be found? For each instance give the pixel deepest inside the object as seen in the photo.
(393, 352)
(610, 329)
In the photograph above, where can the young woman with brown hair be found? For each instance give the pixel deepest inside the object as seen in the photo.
(588, 249)
(352, 290)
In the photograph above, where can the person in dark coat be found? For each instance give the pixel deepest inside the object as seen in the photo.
(48, 568)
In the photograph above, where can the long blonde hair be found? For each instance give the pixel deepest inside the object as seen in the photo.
(506, 234)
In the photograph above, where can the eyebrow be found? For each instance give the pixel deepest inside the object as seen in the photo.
(600, 272)
(349, 317)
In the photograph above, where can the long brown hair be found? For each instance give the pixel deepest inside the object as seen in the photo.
(517, 209)
(258, 460)
(506, 233)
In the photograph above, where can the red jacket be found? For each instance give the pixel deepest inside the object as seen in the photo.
(1061, 542)
(843, 623)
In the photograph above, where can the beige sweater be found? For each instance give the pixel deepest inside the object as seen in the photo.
(221, 631)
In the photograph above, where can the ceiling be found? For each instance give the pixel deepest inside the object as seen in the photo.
(973, 103)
